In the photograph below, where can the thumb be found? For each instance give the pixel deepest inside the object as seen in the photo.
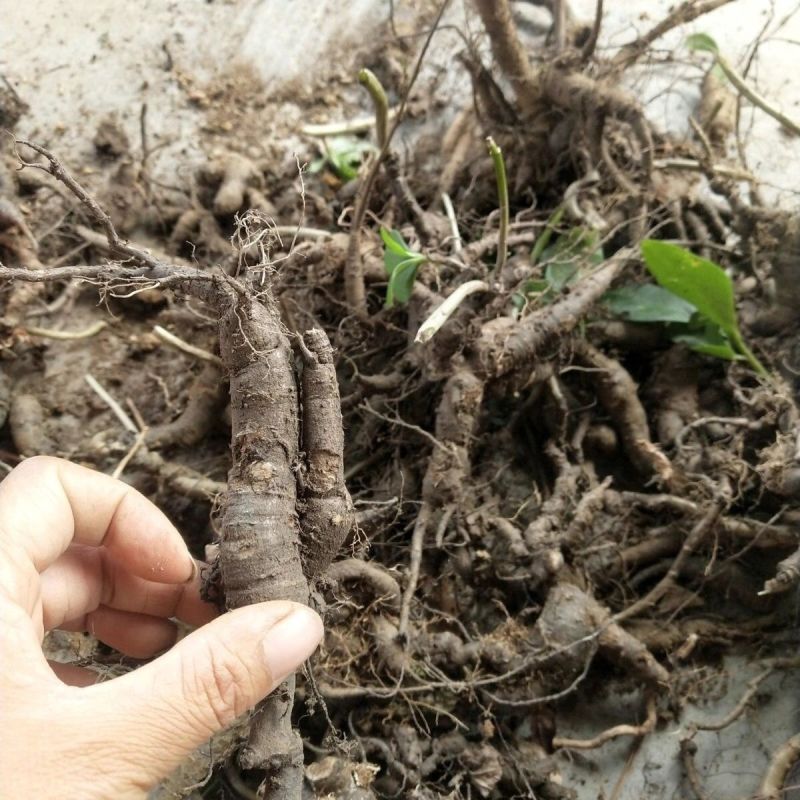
(169, 707)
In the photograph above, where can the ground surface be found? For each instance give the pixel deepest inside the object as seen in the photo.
(204, 79)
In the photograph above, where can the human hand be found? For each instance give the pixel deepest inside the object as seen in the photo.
(82, 551)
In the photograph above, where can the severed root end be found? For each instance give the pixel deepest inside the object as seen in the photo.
(787, 576)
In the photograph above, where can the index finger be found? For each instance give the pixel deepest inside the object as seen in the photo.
(47, 503)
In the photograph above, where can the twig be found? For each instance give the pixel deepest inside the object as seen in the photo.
(502, 196)
(752, 687)
(612, 733)
(119, 469)
(48, 333)
(686, 12)
(697, 166)
(559, 11)
(696, 535)
(368, 79)
(509, 52)
(754, 97)
(415, 560)
(531, 702)
(179, 344)
(137, 415)
(160, 275)
(60, 173)
(633, 751)
(688, 750)
(301, 232)
(119, 412)
(587, 51)
(403, 424)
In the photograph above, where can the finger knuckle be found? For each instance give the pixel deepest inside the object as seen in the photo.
(37, 464)
(219, 684)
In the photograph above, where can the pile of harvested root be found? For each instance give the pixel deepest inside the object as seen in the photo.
(546, 499)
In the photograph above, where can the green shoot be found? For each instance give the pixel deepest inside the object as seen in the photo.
(401, 264)
(502, 195)
(544, 238)
(564, 261)
(370, 82)
(706, 287)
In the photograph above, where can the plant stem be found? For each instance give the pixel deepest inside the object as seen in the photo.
(756, 99)
(370, 82)
(502, 195)
(750, 357)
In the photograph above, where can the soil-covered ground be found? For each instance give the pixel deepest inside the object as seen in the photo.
(470, 399)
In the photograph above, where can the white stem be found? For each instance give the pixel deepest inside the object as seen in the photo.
(451, 216)
(341, 128)
(443, 312)
(49, 333)
(120, 414)
(302, 232)
(198, 352)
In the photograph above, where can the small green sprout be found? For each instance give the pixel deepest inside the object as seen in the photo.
(368, 79)
(401, 264)
(344, 155)
(564, 261)
(502, 198)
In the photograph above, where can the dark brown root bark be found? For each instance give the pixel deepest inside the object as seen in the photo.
(508, 51)
(378, 580)
(618, 393)
(207, 397)
(327, 514)
(260, 545)
(502, 348)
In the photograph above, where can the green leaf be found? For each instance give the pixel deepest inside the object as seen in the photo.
(401, 264)
(344, 155)
(706, 286)
(702, 41)
(648, 303)
(536, 286)
(576, 244)
(697, 280)
(395, 242)
(401, 281)
(560, 274)
(518, 300)
(710, 346)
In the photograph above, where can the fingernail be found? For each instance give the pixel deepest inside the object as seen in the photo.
(289, 642)
(195, 570)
